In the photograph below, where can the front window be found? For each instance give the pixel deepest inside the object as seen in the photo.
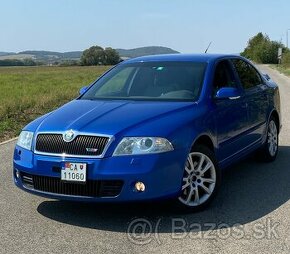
(223, 76)
(150, 81)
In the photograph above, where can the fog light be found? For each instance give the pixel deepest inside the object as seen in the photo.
(139, 186)
(17, 174)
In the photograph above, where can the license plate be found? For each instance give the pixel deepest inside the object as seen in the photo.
(74, 172)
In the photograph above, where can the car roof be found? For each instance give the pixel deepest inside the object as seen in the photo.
(179, 57)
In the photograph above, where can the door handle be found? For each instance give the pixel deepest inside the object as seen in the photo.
(235, 97)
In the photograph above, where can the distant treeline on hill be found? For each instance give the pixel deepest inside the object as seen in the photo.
(16, 62)
(95, 55)
(145, 51)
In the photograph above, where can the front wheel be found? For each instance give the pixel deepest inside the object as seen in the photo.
(201, 179)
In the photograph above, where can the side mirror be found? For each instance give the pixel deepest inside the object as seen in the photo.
(83, 90)
(227, 93)
(266, 76)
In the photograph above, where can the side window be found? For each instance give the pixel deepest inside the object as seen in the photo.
(223, 76)
(248, 75)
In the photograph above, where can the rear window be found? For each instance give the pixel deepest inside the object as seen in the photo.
(248, 75)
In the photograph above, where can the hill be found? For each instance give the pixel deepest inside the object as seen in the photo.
(145, 51)
(48, 57)
(6, 53)
(41, 55)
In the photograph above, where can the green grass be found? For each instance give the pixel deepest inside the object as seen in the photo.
(283, 69)
(29, 92)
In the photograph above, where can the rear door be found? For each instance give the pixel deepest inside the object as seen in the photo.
(255, 97)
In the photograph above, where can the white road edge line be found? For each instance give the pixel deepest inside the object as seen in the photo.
(8, 141)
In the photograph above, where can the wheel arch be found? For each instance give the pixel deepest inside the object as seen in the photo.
(206, 140)
(274, 113)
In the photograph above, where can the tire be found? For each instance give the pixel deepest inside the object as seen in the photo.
(271, 147)
(201, 180)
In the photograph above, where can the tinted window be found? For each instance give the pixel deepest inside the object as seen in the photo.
(151, 80)
(117, 82)
(223, 76)
(248, 75)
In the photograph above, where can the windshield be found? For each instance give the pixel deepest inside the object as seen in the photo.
(150, 81)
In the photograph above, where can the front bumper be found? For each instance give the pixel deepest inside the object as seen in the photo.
(161, 174)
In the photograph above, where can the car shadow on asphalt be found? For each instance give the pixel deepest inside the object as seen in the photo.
(250, 190)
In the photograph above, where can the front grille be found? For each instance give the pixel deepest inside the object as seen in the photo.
(100, 188)
(81, 145)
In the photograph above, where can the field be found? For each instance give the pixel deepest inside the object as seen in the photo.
(29, 92)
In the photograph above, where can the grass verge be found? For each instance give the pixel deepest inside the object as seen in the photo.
(283, 69)
(29, 92)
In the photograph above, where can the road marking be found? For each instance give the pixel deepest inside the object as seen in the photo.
(8, 141)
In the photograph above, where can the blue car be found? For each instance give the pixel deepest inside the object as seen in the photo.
(152, 128)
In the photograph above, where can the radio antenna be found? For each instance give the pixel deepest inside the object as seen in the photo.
(207, 47)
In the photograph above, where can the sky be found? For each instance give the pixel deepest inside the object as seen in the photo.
(184, 25)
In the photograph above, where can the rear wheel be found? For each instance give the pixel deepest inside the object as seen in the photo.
(270, 149)
(201, 179)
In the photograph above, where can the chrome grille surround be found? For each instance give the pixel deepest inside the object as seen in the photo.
(109, 139)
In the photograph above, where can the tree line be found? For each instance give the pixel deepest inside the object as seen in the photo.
(261, 49)
(17, 62)
(96, 55)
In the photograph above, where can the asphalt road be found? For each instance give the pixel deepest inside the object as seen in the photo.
(249, 215)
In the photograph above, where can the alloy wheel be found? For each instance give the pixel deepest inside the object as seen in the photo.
(272, 138)
(198, 181)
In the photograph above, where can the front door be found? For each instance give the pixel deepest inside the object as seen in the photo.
(231, 115)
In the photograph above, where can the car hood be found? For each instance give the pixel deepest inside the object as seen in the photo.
(108, 117)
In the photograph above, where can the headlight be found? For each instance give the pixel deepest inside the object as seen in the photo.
(25, 139)
(142, 145)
